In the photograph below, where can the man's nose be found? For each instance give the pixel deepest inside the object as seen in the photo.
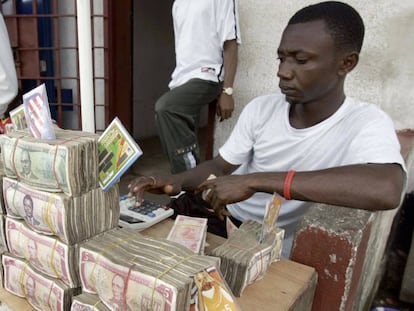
(285, 70)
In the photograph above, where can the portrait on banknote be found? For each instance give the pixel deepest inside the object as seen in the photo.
(28, 209)
(26, 164)
(30, 291)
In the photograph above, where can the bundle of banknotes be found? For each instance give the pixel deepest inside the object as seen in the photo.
(44, 253)
(68, 164)
(129, 271)
(42, 292)
(71, 219)
(190, 232)
(244, 259)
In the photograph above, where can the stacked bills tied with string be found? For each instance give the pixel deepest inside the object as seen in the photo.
(42, 292)
(129, 271)
(71, 219)
(248, 252)
(66, 164)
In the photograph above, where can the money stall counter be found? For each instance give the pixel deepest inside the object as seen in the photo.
(287, 285)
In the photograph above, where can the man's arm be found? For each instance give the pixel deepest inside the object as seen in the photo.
(174, 184)
(225, 103)
(365, 186)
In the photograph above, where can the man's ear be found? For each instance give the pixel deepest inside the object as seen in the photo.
(348, 63)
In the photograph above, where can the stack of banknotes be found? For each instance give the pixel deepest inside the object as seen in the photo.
(128, 271)
(68, 164)
(71, 219)
(190, 232)
(42, 292)
(244, 259)
(52, 202)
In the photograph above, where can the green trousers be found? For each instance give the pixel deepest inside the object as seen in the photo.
(177, 114)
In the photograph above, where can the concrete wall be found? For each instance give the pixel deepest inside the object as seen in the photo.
(153, 60)
(385, 73)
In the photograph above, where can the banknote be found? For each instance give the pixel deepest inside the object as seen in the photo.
(270, 216)
(189, 231)
(37, 113)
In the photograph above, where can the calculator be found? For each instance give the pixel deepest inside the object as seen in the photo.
(141, 217)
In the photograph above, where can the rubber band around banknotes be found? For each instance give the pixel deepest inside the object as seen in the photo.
(104, 251)
(22, 275)
(50, 295)
(164, 273)
(124, 293)
(48, 218)
(14, 187)
(97, 303)
(52, 260)
(58, 184)
(13, 163)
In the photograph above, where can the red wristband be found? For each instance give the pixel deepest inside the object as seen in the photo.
(288, 183)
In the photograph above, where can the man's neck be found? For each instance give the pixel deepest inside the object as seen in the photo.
(308, 114)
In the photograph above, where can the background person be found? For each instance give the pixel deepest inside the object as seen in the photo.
(8, 78)
(206, 38)
(311, 143)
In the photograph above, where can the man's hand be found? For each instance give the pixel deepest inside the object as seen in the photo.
(225, 190)
(225, 106)
(158, 185)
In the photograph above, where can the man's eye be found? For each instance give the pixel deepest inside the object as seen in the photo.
(301, 61)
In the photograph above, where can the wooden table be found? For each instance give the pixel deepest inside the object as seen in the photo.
(287, 285)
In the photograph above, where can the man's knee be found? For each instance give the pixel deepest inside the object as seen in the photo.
(164, 104)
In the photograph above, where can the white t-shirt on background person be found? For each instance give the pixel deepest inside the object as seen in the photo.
(200, 29)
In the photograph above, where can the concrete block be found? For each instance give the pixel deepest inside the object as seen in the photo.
(407, 286)
(335, 245)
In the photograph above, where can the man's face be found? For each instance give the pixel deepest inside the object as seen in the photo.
(308, 69)
(26, 163)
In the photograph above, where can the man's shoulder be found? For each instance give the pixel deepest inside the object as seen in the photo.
(276, 99)
(370, 110)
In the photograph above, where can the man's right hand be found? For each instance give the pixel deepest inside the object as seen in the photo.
(158, 185)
